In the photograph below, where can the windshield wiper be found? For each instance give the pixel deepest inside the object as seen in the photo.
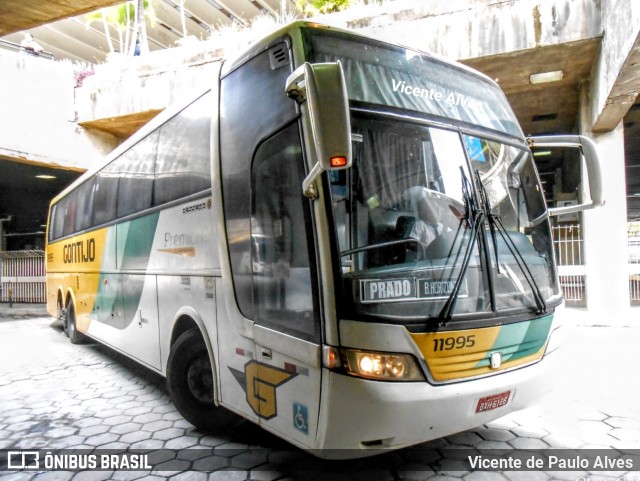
(495, 224)
(473, 217)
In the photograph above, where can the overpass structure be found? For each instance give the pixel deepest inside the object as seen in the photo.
(567, 66)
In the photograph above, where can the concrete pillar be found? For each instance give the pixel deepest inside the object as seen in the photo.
(605, 229)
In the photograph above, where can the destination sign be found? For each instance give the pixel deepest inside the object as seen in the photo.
(408, 289)
(388, 289)
(438, 289)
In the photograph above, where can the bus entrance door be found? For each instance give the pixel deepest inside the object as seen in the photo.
(287, 385)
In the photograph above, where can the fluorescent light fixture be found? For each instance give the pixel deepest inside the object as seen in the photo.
(542, 153)
(46, 177)
(545, 77)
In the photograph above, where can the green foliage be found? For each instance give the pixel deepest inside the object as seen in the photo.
(318, 7)
(122, 18)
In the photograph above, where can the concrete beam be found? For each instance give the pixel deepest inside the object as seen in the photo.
(119, 99)
(17, 15)
(616, 74)
(122, 126)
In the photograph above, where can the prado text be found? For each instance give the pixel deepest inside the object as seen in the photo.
(549, 462)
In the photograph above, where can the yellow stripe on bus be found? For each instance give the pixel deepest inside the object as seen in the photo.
(74, 266)
(467, 353)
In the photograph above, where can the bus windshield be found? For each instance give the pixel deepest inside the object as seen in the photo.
(408, 224)
(382, 74)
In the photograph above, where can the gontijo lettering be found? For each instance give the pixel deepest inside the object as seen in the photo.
(79, 251)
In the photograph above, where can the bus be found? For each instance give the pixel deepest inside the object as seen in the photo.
(342, 240)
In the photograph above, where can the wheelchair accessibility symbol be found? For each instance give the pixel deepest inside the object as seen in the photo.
(301, 418)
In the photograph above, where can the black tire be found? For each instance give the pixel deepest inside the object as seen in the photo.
(62, 315)
(70, 329)
(190, 382)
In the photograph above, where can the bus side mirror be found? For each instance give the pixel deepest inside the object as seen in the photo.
(324, 89)
(590, 155)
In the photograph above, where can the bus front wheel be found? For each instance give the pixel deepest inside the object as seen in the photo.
(190, 382)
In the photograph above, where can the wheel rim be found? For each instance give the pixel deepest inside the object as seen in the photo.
(200, 380)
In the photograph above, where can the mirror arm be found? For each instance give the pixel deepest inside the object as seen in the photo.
(296, 89)
(308, 184)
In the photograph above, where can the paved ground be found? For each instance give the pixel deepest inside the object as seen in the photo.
(55, 395)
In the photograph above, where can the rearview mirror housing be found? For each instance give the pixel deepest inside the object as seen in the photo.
(592, 162)
(322, 86)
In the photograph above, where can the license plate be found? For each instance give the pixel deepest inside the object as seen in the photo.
(493, 402)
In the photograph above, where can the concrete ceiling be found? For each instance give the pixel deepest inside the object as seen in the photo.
(67, 35)
(25, 197)
(542, 108)
(18, 15)
(552, 108)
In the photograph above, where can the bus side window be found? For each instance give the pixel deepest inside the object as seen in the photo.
(105, 195)
(253, 104)
(280, 255)
(136, 168)
(182, 165)
(69, 223)
(85, 206)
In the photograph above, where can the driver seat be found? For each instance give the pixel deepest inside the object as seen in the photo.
(404, 226)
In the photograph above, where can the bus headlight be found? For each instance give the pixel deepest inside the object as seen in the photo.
(374, 365)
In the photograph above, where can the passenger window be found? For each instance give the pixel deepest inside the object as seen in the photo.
(281, 266)
(105, 195)
(84, 205)
(182, 166)
(69, 214)
(56, 224)
(135, 170)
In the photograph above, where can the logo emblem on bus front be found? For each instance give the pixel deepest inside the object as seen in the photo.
(260, 381)
(496, 360)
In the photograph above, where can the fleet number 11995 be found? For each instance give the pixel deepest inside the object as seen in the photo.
(450, 343)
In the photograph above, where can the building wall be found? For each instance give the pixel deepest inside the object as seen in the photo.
(462, 29)
(38, 117)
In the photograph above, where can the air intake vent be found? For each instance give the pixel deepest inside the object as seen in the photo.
(279, 56)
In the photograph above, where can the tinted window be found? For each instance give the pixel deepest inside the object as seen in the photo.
(56, 222)
(135, 171)
(69, 214)
(280, 254)
(84, 205)
(407, 79)
(105, 195)
(253, 106)
(182, 165)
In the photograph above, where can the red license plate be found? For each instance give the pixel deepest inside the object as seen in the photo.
(493, 402)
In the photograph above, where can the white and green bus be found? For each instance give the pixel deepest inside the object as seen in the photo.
(342, 240)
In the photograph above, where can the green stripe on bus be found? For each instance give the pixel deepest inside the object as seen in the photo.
(521, 339)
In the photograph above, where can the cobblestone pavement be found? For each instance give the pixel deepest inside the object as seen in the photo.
(55, 395)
